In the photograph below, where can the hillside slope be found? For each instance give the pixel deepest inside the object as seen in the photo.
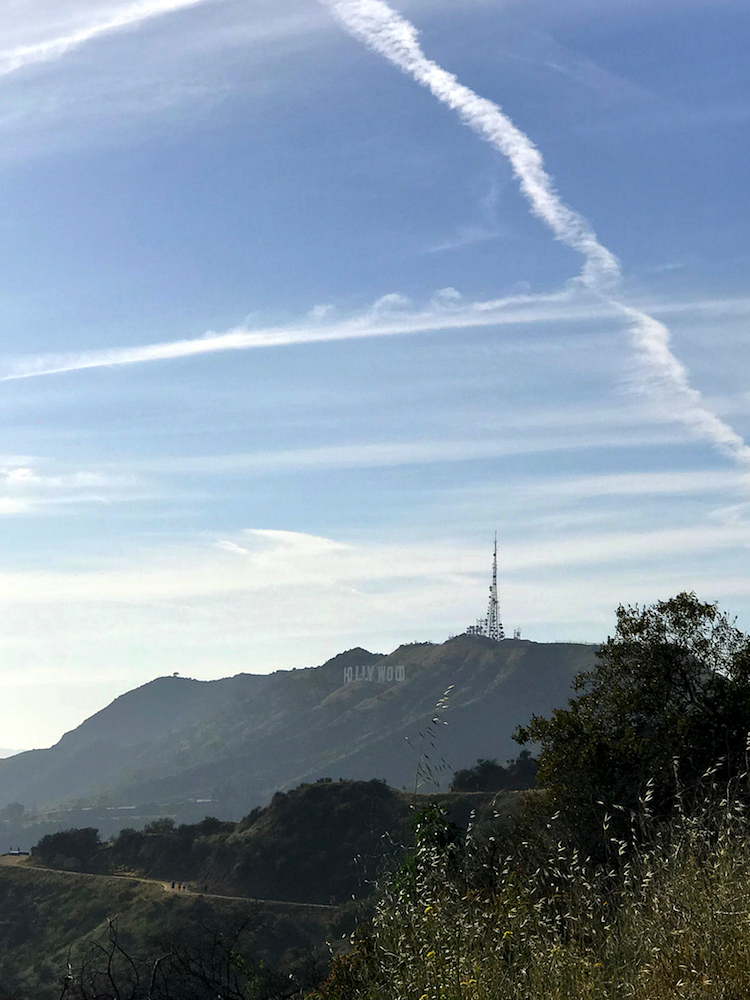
(322, 843)
(236, 741)
(49, 919)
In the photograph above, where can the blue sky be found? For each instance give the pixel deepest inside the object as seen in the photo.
(284, 343)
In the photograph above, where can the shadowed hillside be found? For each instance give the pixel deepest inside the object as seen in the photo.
(232, 743)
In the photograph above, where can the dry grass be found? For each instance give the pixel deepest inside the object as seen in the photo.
(667, 920)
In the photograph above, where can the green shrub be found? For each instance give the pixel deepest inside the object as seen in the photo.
(68, 848)
(489, 776)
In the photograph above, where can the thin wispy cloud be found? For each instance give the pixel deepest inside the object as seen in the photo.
(643, 484)
(261, 560)
(389, 34)
(466, 236)
(389, 317)
(128, 16)
(368, 455)
(30, 490)
(485, 230)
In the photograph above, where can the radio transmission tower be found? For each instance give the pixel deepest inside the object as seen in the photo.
(490, 626)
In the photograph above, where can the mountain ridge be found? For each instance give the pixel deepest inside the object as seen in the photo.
(234, 741)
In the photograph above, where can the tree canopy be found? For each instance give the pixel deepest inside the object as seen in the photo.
(489, 776)
(671, 690)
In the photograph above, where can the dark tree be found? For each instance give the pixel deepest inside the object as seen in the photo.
(485, 776)
(671, 690)
(522, 771)
(489, 776)
(68, 848)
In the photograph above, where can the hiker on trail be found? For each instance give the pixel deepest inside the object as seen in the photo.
(173, 883)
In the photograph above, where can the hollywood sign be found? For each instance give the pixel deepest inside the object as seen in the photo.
(375, 674)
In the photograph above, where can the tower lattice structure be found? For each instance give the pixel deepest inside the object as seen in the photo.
(490, 626)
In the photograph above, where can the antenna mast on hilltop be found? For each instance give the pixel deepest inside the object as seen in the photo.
(490, 626)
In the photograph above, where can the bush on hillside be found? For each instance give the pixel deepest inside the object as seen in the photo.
(485, 776)
(69, 849)
(489, 776)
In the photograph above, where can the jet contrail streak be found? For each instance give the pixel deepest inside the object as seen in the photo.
(512, 310)
(386, 32)
(54, 48)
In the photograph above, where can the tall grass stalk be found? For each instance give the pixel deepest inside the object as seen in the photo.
(667, 917)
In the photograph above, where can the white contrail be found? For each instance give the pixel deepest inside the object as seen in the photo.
(54, 48)
(663, 373)
(514, 309)
(385, 31)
